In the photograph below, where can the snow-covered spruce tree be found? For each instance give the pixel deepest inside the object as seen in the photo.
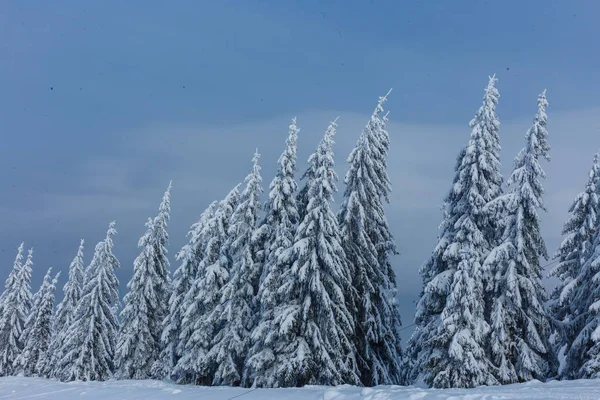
(16, 303)
(88, 351)
(313, 327)
(17, 265)
(574, 251)
(238, 296)
(520, 325)
(138, 346)
(367, 243)
(65, 311)
(582, 329)
(183, 278)
(277, 232)
(448, 347)
(202, 301)
(36, 337)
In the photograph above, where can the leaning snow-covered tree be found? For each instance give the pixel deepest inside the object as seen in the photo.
(312, 326)
(146, 303)
(202, 301)
(574, 251)
(183, 279)
(65, 311)
(277, 234)
(448, 347)
(520, 326)
(16, 303)
(36, 337)
(88, 351)
(368, 243)
(238, 296)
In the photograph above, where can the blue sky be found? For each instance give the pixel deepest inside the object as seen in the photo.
(102, 103)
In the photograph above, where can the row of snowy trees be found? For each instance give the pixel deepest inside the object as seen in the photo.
(288, 293)
(483, 317)
(285, 293)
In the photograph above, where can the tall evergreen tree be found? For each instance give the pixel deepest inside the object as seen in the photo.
(312, 327)
(65, 312)
(367, 243)
(519, 322)
(16, 303)
(202, 302)
(138, 346)
(36, 337)
(574, 251)
(183, 278)
(447, 348)
(88, 351)
(277, 233)
(238, 296)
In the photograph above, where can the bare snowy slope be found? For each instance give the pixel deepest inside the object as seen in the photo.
(18, 388)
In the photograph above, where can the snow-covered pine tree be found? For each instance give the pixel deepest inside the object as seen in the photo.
(312, 327)
(138, 346)
(17, 265)
(16, 303)
(367, 243)
(36, 337)
(238, 296)
(277, 233)
(448, 347)
(65, 311)
(520, 326)
(183, 278)
(202, 302)
(88, 351)
(581, 325)
(574, 251)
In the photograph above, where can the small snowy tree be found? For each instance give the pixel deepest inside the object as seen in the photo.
(183, 278)
(89, 347)
(277, 233)
(16, 303)
(448, 347)
(574, 251)
(36, 337)
(238, 296)
(138, 346)
(202, 301)
(65, 312)
(519, 322)
(367, 243)
(312, 328)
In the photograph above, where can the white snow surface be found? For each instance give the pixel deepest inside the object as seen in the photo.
(17, 388)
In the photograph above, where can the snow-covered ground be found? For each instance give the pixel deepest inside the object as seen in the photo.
(17, 388)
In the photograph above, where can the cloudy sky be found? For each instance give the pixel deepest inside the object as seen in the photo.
(102, 103)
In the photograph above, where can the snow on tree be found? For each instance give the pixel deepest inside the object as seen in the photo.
(312, 328)
(36, 337)
(238, 296)
(277, 234)
(146, 303)
(582, 356)
(16, 303)
(367, 243)
(574, 251)
(202, 301)
(520, 326)
(88, 351)
(448, 347)
(65, 311)
(183, 278)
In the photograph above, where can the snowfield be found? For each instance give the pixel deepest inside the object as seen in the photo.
(17, 388)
